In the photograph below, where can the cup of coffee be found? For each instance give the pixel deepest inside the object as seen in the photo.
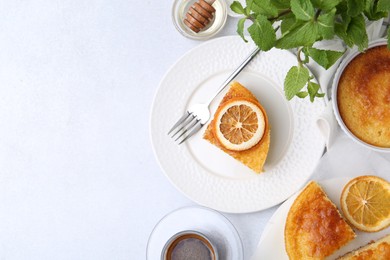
(189, 245)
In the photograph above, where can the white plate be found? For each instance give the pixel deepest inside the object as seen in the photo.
(204, 173)
(271, 245)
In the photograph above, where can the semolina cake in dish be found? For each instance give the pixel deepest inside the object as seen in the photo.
(314, 227)
(255, 156)
(379, 250)
(363, 96)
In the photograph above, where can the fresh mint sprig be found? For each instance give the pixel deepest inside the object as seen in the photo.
(303, 23)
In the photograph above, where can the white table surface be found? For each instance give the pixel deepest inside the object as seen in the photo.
(78, 179)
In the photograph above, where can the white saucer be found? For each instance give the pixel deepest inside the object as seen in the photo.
(210, 223)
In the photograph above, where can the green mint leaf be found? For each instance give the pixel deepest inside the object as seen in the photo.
(249, 3)
(325, 5)
(342, 7)
(302, 94)
(371, 11)
(355, 7)
(346, 19)
(325, 58)
(240, 28)
(320, 95)
(302, 9)
(287, 23)
(237, 8)
(265, 7)
(295, 80)
(353, 31)
(312, 88)
(326, 24)
(383, 5)
(247, 11)
(262, 33)
(306, 60)
(302, 35)
(388, 38)
(282, 4)
(341, 31)
(356, 32)
(248, 7)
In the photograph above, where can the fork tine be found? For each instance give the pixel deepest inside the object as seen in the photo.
(193, 131)
(188, 128)
(184, 125)
(181, 120)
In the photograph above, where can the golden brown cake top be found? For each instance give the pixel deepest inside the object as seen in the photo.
(314, 227)
(375, 250)
(363, 96)
(382, 251)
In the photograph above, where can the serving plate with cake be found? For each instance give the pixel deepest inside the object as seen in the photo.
(315, 224)
(208, 168)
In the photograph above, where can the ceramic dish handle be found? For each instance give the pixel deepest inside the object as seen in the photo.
(327, 125)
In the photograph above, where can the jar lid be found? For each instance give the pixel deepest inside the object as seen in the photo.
(180, 9)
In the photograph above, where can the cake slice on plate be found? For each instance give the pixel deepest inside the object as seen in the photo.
(240, 128)
(314, 227)
(379, 250)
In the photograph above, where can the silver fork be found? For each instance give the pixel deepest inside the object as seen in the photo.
(198, 115)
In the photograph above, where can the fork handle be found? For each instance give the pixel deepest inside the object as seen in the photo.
(235, 73)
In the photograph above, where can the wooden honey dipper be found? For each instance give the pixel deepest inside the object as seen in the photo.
(199, 15)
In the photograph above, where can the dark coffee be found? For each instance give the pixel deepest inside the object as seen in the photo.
(190, 246)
